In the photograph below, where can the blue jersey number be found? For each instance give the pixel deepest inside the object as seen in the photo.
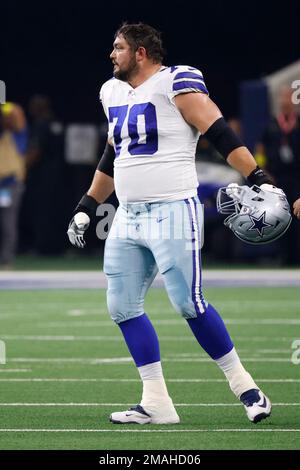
(143, 109)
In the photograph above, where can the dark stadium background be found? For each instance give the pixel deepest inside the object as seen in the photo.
(61, 48)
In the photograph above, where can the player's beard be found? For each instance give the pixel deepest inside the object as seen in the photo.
(127, 74)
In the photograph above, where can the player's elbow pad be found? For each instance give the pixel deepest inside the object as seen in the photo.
(106, 163)
(223, 138)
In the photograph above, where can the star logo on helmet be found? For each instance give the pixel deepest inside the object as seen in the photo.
(259, 224)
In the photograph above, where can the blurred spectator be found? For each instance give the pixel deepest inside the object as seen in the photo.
(43, 221)
(281, 146)
(13, 144)
(236, 126)
(296, 207)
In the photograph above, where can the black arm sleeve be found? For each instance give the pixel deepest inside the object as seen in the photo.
(222, 137)
(106, 163)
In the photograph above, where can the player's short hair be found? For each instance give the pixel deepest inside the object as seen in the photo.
(142, 35)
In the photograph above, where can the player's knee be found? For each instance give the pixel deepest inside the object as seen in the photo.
(183, 305)
(186, 310)
(114, 293)
(115, 308)
(179, 290)
(119, 309)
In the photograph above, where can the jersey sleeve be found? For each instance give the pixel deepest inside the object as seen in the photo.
(186, 79)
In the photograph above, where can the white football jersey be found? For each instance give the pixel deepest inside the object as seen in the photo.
(155, 147)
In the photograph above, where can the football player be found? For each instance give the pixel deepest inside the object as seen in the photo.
(155, 115)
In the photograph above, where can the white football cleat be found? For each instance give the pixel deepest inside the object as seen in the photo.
(138, 415)
(256, 404)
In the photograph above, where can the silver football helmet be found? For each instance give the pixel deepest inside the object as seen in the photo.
(256, 215)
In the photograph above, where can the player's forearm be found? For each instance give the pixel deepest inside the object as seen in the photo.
(242, 160)
(102, 186)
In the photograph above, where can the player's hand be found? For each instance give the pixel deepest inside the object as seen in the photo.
(233, 190)
(271, 188)
(77, 227)
(296, 207)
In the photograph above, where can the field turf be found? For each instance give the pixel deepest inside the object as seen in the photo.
(68, 368)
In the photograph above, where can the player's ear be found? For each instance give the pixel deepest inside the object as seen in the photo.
(140, 54)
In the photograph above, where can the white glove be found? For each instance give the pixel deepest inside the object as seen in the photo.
(272, 189)
(77, 227)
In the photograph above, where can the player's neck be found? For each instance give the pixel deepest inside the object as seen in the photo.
(144, 74)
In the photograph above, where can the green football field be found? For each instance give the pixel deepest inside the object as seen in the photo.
(68, 368)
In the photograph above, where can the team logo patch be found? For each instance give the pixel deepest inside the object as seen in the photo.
(259, 224)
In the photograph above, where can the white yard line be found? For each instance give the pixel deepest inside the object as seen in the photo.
(273, 430)
(108, 380)
(118, 338)
(173, 322)
(241, 350)
(73, 404)
(244, 359)
(129, 360)
(94, 305)
(79, 360)
(59, 338)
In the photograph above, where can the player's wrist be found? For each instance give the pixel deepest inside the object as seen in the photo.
(258, 177)
(88, 205)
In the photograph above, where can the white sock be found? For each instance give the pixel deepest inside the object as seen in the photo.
(151, 371)
(154, 385)
(239, 379)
